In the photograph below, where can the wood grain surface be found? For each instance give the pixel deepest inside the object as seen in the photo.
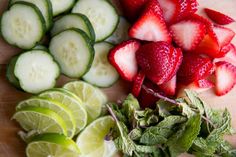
(12, 146)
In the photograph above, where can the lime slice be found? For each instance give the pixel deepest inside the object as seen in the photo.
(71, 101)
(91, 141)
(52, 145)
(55, 106)
(92, 97)
(41, 120)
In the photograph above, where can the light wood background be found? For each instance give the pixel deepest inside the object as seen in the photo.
(10, 143)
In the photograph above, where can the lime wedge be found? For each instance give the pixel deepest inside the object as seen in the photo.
(92, 97)
(52, 145)
(91, 141)
(55, 106)
(71, 101)
(40, 120)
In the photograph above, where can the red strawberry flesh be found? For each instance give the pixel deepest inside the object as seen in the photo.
(218, 17)
(132, 8)
(194, 68)
(159, 61)
(137, 84)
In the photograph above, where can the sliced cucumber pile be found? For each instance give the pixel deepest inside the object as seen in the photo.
(36, 71)
(74, 52)
(44, 6)
(102, 15)
(23, 25)
(73, 20)
(102, 73)
(70, 38)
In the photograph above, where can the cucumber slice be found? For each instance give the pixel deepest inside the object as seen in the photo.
(60, 6)
(74, 20)
(101, 14)
(10, 72)
(23, 25)
(36, 70)
(121, 32)
(44, 6)
(74, 52)
(102, 73)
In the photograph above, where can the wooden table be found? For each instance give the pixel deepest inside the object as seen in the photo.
(12, 146)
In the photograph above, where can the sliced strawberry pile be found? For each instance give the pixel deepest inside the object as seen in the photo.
(173, 48)
(218, 17)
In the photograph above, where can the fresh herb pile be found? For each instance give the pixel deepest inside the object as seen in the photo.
(174, 127)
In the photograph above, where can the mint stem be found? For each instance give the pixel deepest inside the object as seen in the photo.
(150, 91)
(112, 113)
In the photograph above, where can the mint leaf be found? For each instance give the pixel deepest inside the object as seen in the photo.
(223, 127)
(130, 105)
(195, 100)
(182, 140)
(166, 108)
(123, 142)
(147, 117)
(159, 134)
(135, 134)
(224, 149)
(202, 147)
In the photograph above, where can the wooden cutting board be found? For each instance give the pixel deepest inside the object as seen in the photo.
(12, 146)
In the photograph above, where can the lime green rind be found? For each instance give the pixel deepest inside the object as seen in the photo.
(55, 106)
(41, 120)
(52, 144)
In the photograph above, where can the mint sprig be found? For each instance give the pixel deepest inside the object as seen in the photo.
(174, 127)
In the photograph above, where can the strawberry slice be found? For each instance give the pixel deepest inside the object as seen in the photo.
(198, 86)
(209, 45)
(224, 35)
(175, 10)
(188, 34)
(169, 9)
(230, 56)
(159, 61)
(132, 8)
(122, 57)
(194, 68)
(204, 84)
(151, 25)
(137, 84)
(225, 78)
(218, 17)
(169, 87)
